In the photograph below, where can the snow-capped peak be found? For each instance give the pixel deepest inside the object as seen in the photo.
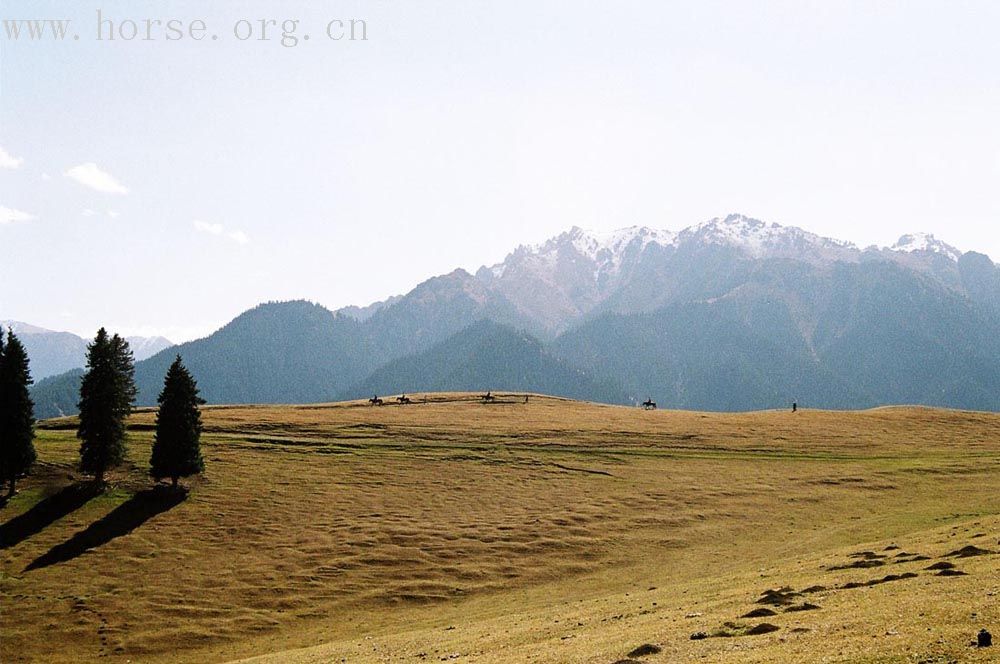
(758, 238)
(732, 226)
(606, 249)
(609, 245)
(925, 242)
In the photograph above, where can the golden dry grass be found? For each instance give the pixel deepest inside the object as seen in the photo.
(551, 532)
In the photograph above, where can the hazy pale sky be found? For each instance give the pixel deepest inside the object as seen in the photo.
(165, 186)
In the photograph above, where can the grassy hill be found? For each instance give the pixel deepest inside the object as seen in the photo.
(551, 531)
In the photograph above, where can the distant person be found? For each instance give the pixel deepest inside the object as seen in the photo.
(525, 398)
(795, 407)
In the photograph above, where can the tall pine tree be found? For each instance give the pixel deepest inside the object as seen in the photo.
(17, 416)
(177, 442)
(107, 395)
(125, 370)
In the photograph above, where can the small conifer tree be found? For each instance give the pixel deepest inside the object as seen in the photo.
(177, 442)
(17, 416)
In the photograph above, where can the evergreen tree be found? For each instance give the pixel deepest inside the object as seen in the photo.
(125, 370)
(17, 418)
(176, 445)
(107, 395)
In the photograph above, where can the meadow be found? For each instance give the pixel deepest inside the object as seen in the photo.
(547, 531)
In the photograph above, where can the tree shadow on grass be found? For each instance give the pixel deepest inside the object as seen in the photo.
(46, 512)
(120, 521)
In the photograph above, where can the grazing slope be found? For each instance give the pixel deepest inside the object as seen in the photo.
(551, 531)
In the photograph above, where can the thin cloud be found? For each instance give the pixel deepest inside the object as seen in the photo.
(237, 236)
(90, 175)
(10, 215)
(7, 160)
(205, 227)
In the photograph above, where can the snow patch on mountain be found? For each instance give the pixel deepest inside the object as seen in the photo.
(925, 242)
(605, 249)
(604, 246)
(760, 239)
(606, 252)
(608, 249)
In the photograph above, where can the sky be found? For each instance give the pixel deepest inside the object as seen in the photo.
(164, 186)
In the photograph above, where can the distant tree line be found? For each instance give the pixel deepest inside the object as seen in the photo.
(107, 398)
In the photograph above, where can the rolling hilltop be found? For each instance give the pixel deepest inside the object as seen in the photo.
(550, 531)
(731, 314)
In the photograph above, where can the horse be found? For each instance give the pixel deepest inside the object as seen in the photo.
(403, 399)
(375, 401)
(488, 398)
(649, 404)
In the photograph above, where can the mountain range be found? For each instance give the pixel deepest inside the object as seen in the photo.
(54, 352)
(730, 314)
